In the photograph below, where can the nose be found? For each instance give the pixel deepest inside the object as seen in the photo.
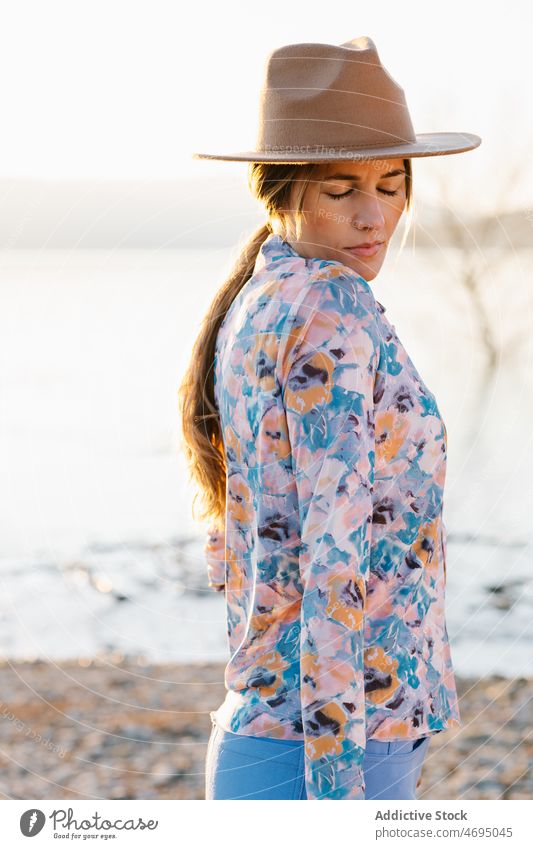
(369, 213)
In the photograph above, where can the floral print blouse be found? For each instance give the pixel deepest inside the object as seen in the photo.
(333, 555)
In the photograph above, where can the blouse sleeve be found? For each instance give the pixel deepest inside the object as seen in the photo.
(214, 550)
(327, 375)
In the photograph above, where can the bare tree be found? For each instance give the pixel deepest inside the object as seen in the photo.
(487, 230)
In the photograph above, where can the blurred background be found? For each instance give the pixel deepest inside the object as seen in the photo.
(113, 242)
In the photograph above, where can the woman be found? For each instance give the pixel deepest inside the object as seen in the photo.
(321, 455)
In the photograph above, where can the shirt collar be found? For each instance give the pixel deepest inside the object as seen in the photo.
(272, 249)
(275, 248)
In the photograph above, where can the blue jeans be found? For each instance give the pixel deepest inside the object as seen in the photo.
(241, 766)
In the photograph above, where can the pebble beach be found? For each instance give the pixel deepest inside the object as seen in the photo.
(108, 728)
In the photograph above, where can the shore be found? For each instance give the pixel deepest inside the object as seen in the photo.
(111, 729)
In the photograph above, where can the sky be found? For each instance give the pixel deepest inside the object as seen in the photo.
(129, 90)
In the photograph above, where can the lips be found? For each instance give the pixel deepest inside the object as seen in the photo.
(367, 249)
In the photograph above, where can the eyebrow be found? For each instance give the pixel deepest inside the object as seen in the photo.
(354, 177)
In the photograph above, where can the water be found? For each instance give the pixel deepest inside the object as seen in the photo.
(99, 548)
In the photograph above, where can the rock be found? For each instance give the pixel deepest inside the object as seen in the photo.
(133, 731)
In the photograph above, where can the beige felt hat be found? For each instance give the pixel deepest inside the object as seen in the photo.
(323, 102)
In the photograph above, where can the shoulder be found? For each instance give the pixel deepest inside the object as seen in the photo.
(331, 324)
(337, 287)
(291, 289)
(331, 300)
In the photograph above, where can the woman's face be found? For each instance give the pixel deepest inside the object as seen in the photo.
(348, 204)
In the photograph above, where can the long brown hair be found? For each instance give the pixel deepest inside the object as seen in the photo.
(202, 439)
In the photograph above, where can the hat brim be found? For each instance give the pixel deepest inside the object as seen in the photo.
(427, 144)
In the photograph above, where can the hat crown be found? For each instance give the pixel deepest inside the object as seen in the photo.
(328, 102)
(323, 95)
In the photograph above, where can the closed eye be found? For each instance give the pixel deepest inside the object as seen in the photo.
(349, 192)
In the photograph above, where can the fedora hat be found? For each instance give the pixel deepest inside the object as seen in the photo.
(323, 102)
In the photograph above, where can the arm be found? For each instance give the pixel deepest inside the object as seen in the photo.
(215, 555)
(327, 377)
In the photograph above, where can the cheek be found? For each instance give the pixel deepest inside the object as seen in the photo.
(331, 214)
(325, 217)
(392, 212)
